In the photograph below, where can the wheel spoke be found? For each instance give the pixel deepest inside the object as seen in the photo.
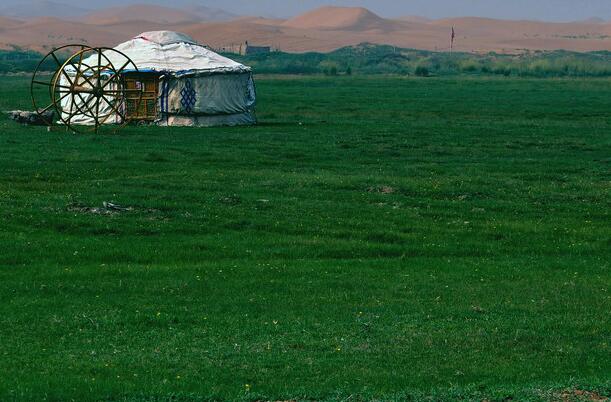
(55, 58)
(85, 104)
(47, 108)
(110, 96)
(123, 91)
(41, 83)
(63, 72)
(79, 74)
(97, 108)
(72, 103)
(77, 93)
(53, 103)
(100, 75)
(47, 84)
(63, 97)
(116, 73)
(99, 64)
(78, 68)
(84, 91)
(108, 66)
(114, 103)
(80, 59)
(89, 109)
(120, 70)
(123, 118)
(110, 103)
(105, 117)
(115, 95)
(54, 82)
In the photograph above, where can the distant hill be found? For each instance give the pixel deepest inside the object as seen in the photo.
(324, 29)
(139, 12)
(594, 20)
(43, 8)
(338, 19)
(45, 32)
(8, 23)
(415, 18)
(156, 14)
(210, 14)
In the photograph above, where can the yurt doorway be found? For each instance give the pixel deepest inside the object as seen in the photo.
(149, 84)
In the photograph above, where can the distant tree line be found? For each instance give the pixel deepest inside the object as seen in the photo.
(17, 60)
(381, 59)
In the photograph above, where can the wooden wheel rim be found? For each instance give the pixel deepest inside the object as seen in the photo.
(115, 98)
(36, 82)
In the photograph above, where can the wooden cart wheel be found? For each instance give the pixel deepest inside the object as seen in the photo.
(86, 90)
(41, 85)
(97, 88)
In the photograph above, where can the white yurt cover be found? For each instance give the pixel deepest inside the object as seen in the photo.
(176, 53)
(222, 88)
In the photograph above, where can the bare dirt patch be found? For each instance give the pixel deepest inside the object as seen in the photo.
(575, 395)
(381, 189)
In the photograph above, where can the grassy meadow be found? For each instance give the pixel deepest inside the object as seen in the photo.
(372, 238)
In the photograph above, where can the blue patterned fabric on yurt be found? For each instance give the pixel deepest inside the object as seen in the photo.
(187, 97)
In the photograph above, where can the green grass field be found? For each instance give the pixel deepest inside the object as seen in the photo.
(389, 238)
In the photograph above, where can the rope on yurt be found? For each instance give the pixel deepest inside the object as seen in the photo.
(165, 89)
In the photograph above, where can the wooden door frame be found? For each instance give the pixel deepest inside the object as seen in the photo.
(147, 110)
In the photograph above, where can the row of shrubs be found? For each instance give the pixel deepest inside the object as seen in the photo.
(539, 65)
(14, 61)
(381, 59)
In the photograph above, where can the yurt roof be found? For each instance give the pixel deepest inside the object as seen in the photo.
(171, 52)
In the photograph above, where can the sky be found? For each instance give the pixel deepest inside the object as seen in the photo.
(549, 10)
(546, 10)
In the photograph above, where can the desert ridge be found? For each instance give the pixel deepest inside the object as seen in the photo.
(323, 29)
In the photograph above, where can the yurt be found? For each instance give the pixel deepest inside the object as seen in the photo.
(182, 83)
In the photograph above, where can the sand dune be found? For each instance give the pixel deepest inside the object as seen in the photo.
(136, 12)
(210, 14)
(339, 19)
(324, 29)
(42, 8)
(414, 18)
(156, 14)
(8, 23)
(220, 34)
(44, 33)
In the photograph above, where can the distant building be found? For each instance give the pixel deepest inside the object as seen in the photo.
(249, 49)
(244, 49)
